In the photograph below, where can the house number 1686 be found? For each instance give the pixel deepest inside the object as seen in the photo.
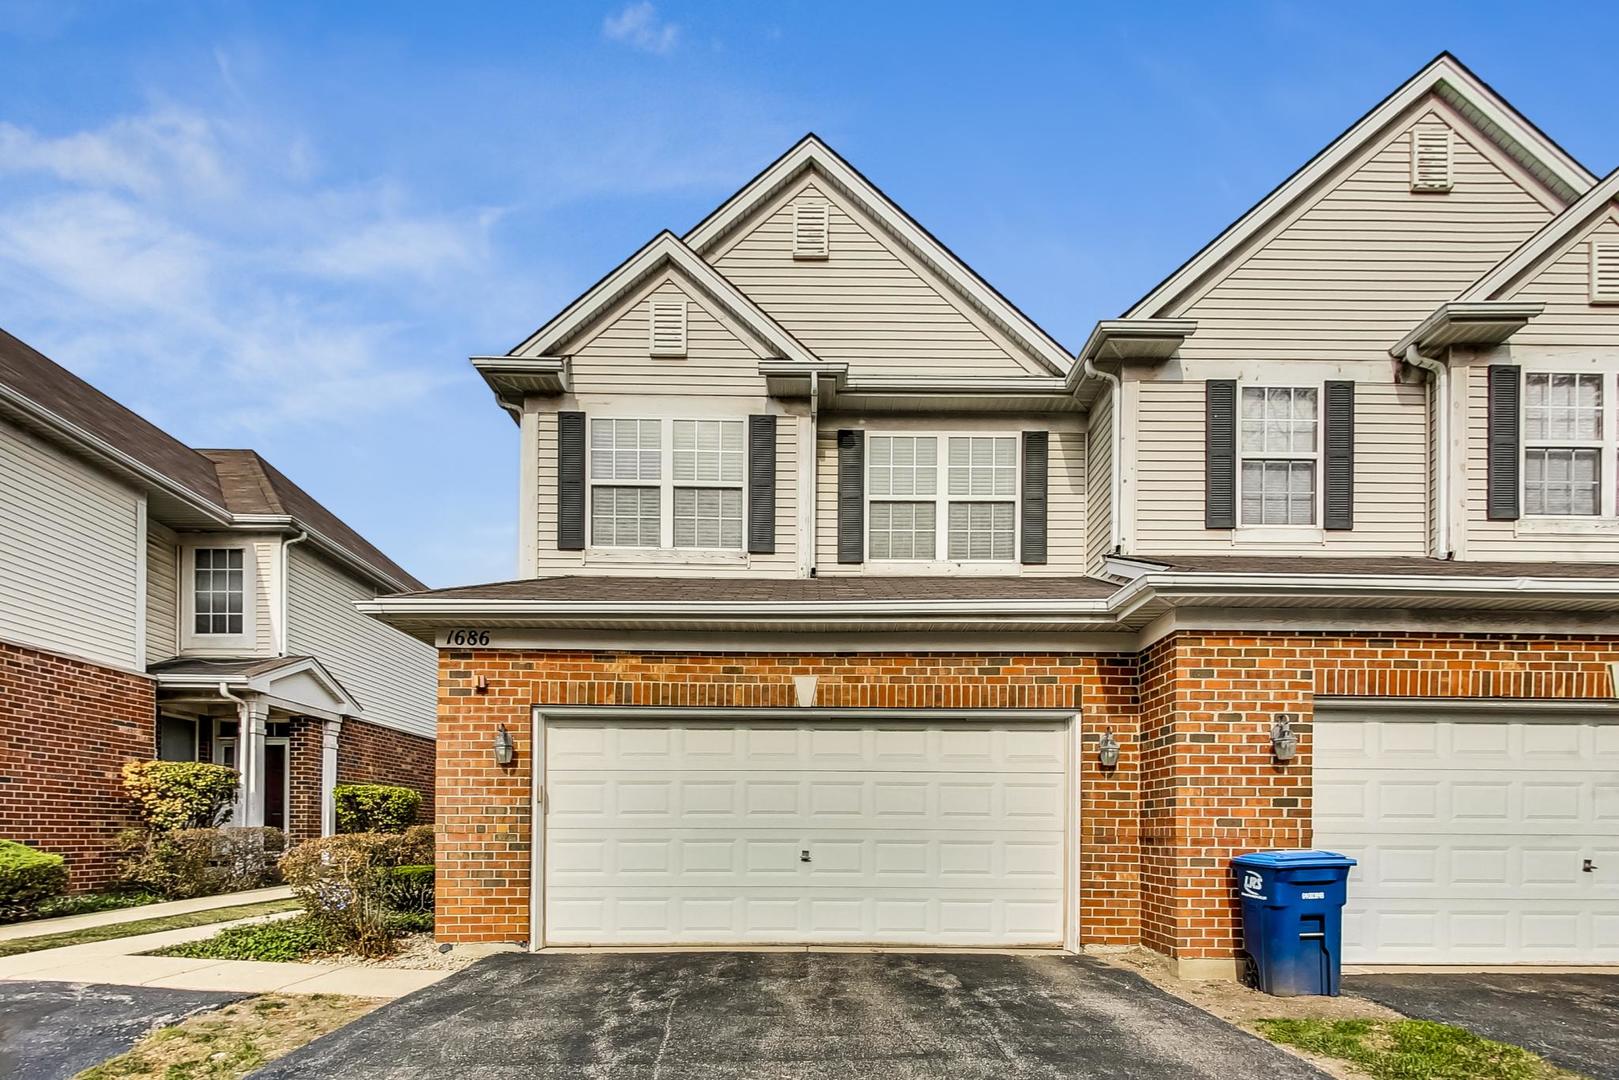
(467, 637)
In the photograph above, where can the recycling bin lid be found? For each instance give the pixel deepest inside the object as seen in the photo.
(1293, 860)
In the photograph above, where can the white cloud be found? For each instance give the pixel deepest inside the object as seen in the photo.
(639, 27)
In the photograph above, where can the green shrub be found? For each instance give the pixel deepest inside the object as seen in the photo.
(408, 890)
(200, 862)
(28, 878)
(381, 808)
(174, 795)
(283, 941)
(345, 882)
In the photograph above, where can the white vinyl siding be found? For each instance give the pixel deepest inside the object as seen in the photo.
(870, 303)
(1564, 285)
(1098, 483)
(69, 543)
(1391, 470)
(162, 592)
(391, 675)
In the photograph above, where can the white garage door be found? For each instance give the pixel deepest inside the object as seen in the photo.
(1472, 831)
(737, 832)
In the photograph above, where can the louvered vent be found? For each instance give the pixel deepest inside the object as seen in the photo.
(811, 222)
(1604, 272)
(1430, 159)
(668, 328)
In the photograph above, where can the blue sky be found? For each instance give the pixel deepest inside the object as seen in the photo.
(287, 225)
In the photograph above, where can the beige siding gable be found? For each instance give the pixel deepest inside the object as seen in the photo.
(162, 592)
(1345, 276)
(615, 356)
(1564, 285)
(868, 301)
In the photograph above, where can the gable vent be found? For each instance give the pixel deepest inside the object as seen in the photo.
(1430, 158)
(1604, 272)
(811, 223)
(668, 328)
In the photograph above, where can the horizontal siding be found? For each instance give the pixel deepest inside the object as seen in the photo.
(394, 677)
(1570, 319)
(1098, 482)
(616, 358)
(162, 592)
(266, 611)
(782, 563)
(1359, 268)
(864, 303)
(1067, 491)
(1391, 473)
(69, 545)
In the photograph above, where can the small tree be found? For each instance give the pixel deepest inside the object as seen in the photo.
(173, 795)
(382, 808)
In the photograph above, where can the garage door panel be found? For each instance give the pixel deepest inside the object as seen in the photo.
(1471, 832)
(915, 833)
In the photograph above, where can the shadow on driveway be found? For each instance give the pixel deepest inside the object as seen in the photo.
(52, 1030)
(1570, 1020)
(788, 1016)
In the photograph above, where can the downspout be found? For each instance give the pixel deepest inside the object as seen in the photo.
(287, 542)
(813, 494)
(1441, 395)
(1115, 519)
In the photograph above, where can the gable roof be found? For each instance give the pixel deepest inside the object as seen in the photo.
(1446, 77)
(224, 485)
(811, 153)
(665, 249)
(1536, 251)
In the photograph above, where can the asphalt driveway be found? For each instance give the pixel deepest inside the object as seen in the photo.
(51, 1030)
(1570, 1020)
(788, 1016)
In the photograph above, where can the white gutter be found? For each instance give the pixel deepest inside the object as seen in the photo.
(1440, 392)
(286, 542)
(810, 493)
(1115, 518)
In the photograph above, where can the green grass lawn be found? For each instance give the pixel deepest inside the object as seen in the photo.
(19, 946)
(1411, 1050)
(284, 941)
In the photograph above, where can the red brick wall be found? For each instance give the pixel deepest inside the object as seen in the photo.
(303, 778)
(369, 754)
(66, 729)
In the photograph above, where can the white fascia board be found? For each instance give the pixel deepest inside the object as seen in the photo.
(1545, 242)
(665, 247)
(1466, 323)
(1443, 72)
(812, 151)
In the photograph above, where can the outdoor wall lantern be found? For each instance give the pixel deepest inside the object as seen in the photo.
(1284, 742)
(1107, 751)
(505, 749)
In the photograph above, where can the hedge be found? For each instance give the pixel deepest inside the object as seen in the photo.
(375, 808)
(27, 879)
(174, 795)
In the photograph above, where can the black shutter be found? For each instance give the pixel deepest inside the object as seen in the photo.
(1501, 503)
(851, 496)
(1219, 454)
(1036, 461)
(1338, 442)
(570, 481)
(762, 485)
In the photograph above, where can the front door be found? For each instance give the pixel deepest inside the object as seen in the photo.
(275, 777)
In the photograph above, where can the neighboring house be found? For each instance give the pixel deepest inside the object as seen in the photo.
(842, 583)
(157, 600)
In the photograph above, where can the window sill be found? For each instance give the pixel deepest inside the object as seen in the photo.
(945, 568)
(1278, 534)
(1567, 526)
(663, 557)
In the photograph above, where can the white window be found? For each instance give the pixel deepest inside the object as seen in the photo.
(219, 591)
(667, 483)
(970, 517)
(1277, 446)
(1564, 443)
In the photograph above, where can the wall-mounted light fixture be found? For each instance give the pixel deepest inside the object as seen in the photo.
(482, 685)
(1284, 741)
(1107, 751)
(505, 749)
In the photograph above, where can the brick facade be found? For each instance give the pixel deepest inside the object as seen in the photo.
(66, 729)
(369, 754)
(1195, 781)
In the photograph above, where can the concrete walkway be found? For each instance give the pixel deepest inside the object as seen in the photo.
(69, 923)
(116, 962)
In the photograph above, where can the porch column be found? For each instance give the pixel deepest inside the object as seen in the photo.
(330, 730)
(250, 762)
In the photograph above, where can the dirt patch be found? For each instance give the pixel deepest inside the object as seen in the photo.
(231, 1042)
(1237, 1004)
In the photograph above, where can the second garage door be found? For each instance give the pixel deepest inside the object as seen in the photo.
(722, 832)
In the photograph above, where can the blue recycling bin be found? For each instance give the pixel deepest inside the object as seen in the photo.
(1292, 919)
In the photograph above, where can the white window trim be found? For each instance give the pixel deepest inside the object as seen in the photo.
(1314, 528)
(666, 485)
(192, 641)
(940, 563)
(1607, 458)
